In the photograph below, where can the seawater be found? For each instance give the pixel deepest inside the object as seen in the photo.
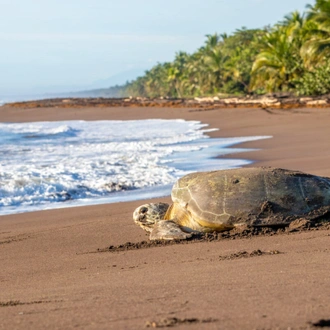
(45, 165)
(20, 98)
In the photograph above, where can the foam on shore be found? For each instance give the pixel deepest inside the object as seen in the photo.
(45, 165)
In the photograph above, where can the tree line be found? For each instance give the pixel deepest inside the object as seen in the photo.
(291, 56)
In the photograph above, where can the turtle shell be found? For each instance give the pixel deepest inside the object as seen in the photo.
(255, 196)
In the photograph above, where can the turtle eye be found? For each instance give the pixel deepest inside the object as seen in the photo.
(144, 210)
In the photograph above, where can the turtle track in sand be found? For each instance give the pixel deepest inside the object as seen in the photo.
(174, 321)
(299, 225)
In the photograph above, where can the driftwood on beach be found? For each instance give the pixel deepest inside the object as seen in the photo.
(270, 101)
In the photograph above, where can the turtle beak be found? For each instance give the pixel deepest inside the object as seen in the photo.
(148, 214)
(140, 216)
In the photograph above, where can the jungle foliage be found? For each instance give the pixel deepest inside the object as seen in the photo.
(291, 56)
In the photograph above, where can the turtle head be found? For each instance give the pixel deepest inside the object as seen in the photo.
(148, 214)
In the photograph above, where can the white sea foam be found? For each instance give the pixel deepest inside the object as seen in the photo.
(44, 164)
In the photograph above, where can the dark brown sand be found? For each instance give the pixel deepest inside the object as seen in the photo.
(58, 272)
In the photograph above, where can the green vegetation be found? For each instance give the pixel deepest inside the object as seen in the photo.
(291, 56)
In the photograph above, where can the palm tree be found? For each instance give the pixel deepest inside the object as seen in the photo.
(320, 13)
(279, 62)
(317, 47)
(177, 74)
(212, 40)
(211, 63)
(241, 49)
(156, 81)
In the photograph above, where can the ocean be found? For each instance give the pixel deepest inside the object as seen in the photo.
(46, 165)
(20, 98)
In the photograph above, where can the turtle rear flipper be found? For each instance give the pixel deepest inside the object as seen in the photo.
(167, 230)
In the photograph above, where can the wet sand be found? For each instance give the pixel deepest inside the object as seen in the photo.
(54, 274)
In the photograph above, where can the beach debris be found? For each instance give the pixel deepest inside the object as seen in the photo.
(323, 323)
(11, 303)
(298, 224)
(245, 254)
(317, 102)
(274, 100)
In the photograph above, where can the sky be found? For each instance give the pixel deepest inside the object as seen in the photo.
(64, 45)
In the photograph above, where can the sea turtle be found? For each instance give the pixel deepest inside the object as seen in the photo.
(222, 200)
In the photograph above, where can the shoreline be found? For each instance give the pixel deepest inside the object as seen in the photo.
(53, 276)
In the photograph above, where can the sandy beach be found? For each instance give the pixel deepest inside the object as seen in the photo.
(55, 274)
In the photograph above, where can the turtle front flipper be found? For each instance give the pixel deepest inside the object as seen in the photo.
(167, 230)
